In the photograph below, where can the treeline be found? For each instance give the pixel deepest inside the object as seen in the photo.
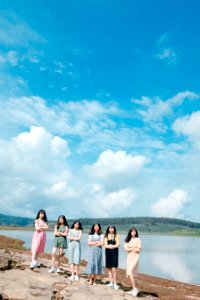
(147, 222)
(15, 221)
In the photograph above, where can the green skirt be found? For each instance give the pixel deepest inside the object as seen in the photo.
(60, 242)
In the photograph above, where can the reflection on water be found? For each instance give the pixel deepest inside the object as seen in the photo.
(172, 266)
(176, 258)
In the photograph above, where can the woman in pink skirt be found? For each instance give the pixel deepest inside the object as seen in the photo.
(133, 247)
(39, 237)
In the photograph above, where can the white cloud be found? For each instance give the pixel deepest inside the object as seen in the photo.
(82, 118)
(172, 205)
(189, 126)
(167, 54)
(15, 32)
(37, 167)
(116, 203)
(117, 163)
(165, 51)
(32, 163)
(155, 109)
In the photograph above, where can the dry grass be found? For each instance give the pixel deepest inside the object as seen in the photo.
(11, 243)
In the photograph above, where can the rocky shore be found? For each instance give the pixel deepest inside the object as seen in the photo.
(18, 282)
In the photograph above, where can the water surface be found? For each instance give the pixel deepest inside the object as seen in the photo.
(176, 258)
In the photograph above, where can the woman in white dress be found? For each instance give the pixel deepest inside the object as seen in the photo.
(95, 263)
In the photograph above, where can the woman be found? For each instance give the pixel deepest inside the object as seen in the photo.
(111, 243)
(39, 237)
(95, 264)
(133, 247)
(60, 242)
(74, 250)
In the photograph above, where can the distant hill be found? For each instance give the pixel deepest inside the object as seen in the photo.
(144, 224)
(15, 221)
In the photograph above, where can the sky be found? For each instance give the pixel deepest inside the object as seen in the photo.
(100, 108)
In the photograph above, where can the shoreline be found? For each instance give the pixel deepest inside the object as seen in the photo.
(165, 289)
(27, 228)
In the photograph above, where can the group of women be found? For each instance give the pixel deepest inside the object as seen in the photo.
(65, 238)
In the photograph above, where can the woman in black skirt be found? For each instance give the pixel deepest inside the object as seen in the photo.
(111, 243)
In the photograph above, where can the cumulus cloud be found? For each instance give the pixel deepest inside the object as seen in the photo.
(116, 168)
(172, 205)
(115, 203)
(112, 163)
(36, 172)
(39, 168)
(189, 126)
(32, 163)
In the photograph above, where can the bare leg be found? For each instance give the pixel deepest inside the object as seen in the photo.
(77, 269)
(91, 277)
(132, 281)
(94, 279)
(36, 256)
(59, 256)
(33, 257)
(53, 256)
(72, 269)
(110, 275)
(114, 275)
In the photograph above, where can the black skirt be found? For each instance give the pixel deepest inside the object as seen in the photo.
(112, 258)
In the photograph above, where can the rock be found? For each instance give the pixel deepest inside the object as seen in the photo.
(18, 282)
(5, 263)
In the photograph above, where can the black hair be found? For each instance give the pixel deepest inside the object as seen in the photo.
(65, 221)
(79, 225)
(129, 236)
(43, 212)
(92, 229)
(107, 230)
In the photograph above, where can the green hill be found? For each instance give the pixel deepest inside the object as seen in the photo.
(148, 225)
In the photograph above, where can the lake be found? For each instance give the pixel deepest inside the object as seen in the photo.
(170, 257)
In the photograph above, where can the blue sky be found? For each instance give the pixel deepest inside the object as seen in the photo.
(100, 104)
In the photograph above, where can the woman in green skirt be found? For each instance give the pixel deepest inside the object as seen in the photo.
(60, 242)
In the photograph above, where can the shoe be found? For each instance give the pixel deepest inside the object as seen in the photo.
(58, 270)
(38, 264)
(115, 286)
(72, 277)
(33, 265)
(76, 278)
(52, 270)
(135, 292)
(130, 292)
(110, 284)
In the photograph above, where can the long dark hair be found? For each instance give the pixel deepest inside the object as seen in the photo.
(129, 236)
(92, 229)
(79, 225)
(107, 230)
(65, 221)
(43, 212)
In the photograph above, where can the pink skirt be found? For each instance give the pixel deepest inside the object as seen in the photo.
(38, 242)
